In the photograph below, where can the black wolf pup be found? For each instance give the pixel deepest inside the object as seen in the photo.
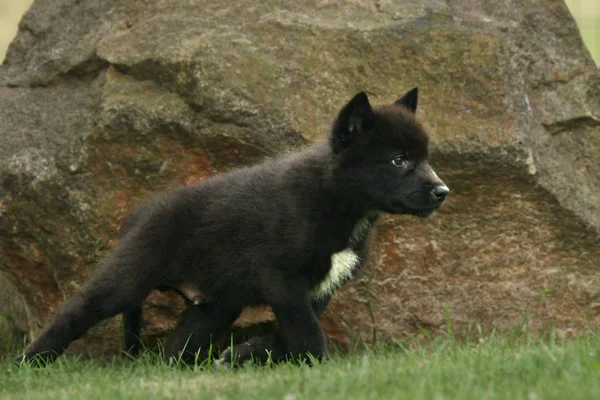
(286, 233)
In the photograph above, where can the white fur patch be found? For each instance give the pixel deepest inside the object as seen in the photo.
(343, 263)
(342, 266)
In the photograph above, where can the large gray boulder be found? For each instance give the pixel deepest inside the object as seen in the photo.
(103, 102)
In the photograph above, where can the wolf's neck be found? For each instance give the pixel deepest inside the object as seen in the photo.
(362, 228)
(313, 169)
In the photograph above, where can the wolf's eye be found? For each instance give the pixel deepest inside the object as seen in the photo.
(399, 161)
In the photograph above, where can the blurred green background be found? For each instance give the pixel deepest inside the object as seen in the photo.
(11, 12)
(586, 12)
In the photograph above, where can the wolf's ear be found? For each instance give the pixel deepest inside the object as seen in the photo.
(353, 120)
(409, 100)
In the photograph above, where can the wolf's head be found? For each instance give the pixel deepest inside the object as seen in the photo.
(382, 157)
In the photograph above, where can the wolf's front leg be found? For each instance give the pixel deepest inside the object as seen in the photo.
(270, 347)
(298, 324)
(199, 327)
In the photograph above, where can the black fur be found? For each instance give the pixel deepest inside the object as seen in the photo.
(261, 235)
(270, 347)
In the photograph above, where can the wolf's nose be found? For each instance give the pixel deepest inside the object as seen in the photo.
(440, 192)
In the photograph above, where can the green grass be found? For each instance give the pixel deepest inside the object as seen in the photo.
(491, 369)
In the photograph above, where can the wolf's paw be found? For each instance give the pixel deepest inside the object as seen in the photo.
(260, 350)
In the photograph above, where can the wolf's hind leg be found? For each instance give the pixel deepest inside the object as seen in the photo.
(132, 323)
(119, 287)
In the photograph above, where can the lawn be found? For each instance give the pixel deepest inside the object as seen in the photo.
(490, 369)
